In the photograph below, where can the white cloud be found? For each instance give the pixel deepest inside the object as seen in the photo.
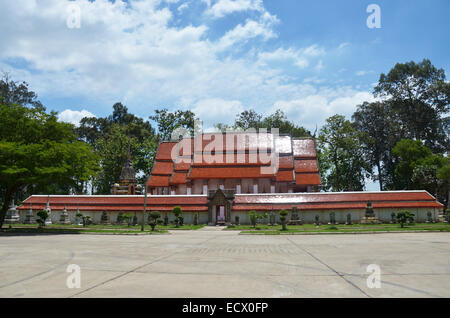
(251, 29)
(363, 72)
(131, 52)
(224, 7)
(215, 110)
(74, 116)
(183, 7)
(314, 109)
(299, 57)
(343, 45)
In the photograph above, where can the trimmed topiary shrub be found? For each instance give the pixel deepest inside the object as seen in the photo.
(283, 215)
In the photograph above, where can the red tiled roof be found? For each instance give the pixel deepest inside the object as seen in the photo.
(183, 164)
(162, 168)
(336, 206)
(285, 162)
(304, 148)
(165, 151)
(219, 142)
(344, 200)
(159, 181)
(116, 203)
(307, 178)
(178, 178)
(235, 165)
(231, 159)
(306, 166)
(283, 144)
(335, 197)
(286, 176)
(228, 173)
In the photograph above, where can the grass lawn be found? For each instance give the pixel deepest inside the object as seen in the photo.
(92, 229)
(354, 228)
(54, 230)
(106, 227)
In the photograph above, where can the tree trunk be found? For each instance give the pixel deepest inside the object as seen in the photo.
(380, 178)
(6, 202)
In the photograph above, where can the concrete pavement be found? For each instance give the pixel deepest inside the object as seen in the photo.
(224, 264)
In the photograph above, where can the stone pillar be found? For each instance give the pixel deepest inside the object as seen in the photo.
(255, 186)
(272, 186)
(189, 189)
(239, 187)
(12, 216)
(49, 219)
(210, 215)
(205, 187)
(29, 217)
(64, 217)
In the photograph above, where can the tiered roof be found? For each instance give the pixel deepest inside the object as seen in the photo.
(214, 157)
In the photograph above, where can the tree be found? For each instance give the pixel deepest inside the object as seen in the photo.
(154, 218)
(43, 216)
(420, 96)
(127, 218)
(36, 149)
(15, 93)
(379, 130)
(343, 167)
(280, 121)
(178, 215)
(248, 119)
(283, 215)
(252, 215)
(167, 122)
(404, 217)
(408, 154)
(111, 137)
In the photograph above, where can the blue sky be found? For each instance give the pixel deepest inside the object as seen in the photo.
(312, 59)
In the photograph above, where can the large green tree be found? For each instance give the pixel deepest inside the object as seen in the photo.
(112, 137)
(251, 119)
(16, 93)
(343, 167)
(418, 168)
(168, 121)
(379, 130)
(37, 150)
(420, 96)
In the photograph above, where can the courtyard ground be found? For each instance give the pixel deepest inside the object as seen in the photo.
(213, 263)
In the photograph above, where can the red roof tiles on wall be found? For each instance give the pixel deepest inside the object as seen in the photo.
(165, 151)
(158, 181)
(162, 168)
(228, 173)
(304, 148)
(178, 178)
(307, 178)
(285, 162)
(306, 166)
(285, 176)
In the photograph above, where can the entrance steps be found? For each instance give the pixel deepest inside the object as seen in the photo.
(212, 228)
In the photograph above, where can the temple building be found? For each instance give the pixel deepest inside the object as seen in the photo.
(182, 168)
(219, 178)
(127, 184)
